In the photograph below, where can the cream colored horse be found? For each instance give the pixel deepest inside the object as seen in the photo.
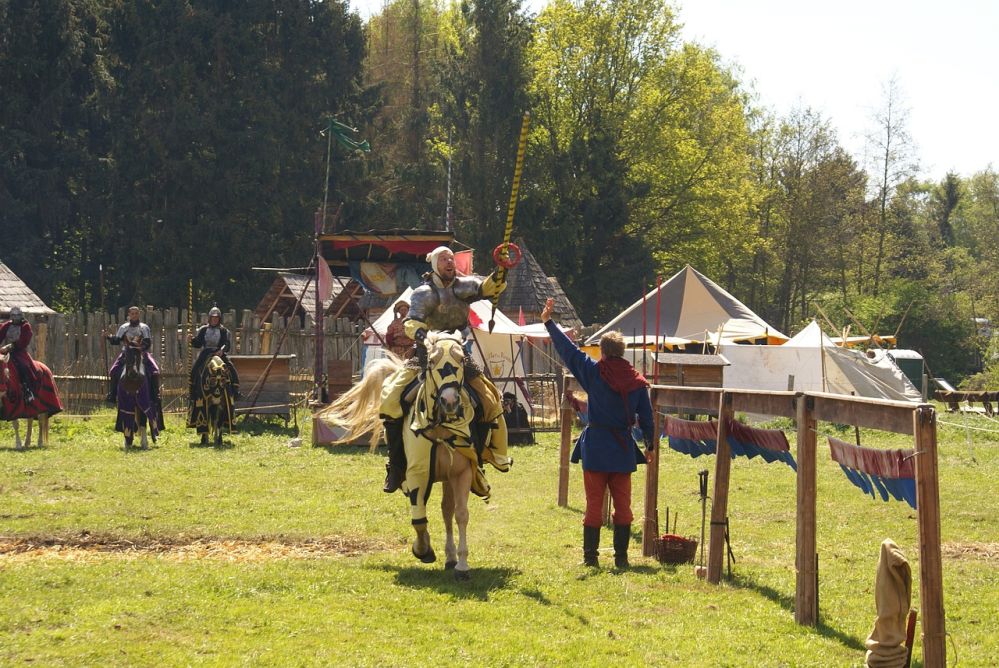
(437, 440)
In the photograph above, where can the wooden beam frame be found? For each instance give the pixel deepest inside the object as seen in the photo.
(917, 420)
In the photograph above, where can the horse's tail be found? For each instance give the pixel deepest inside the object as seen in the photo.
(357, 409)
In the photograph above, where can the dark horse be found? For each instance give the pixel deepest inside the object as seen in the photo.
(136, 405)
(13, 407)
(213, 411)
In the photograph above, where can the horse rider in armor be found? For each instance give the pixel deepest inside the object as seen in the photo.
(133, 331)
(15, 335)
(213, 339)
(442, 303)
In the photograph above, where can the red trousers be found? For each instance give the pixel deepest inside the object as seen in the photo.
(595, 482)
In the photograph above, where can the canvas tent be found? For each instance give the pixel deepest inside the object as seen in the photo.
(811, 362)
(692, 308)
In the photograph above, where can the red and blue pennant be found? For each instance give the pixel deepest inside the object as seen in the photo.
(770, 444)
(700, 438)
(690, 437)
(884, 473)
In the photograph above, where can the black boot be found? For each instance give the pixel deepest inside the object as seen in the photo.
(622, 536)
(395, 469)
(591, 542)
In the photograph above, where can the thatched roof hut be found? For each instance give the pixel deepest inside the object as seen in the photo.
(13, 292)
(528, 286)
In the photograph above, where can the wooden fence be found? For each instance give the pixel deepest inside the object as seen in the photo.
(73, 347)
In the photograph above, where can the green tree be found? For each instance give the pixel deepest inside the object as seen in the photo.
(53, 134)
(643, 147)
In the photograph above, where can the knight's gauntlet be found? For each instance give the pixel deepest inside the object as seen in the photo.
(416, 330)
(491, 287)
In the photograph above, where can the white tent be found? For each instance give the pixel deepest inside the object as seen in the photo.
(691, 307)
(811, 362)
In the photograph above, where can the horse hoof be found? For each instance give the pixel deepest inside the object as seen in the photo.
(462, 576)
(427, 557)
(449, 565)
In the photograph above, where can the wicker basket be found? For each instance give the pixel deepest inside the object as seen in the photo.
(673, 549)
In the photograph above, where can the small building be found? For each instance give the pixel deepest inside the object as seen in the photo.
(528, 286)
(690, 369)
(289, 296)
(14, 292)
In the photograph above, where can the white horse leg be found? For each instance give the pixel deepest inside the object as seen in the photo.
(43, 429)
(447, 511)
(462, 486)
(142, 437)
(17, 433)
(27, 432)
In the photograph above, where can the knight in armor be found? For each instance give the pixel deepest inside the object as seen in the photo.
(15, 335)
(442, 303)
(134, 332)
(213, 339)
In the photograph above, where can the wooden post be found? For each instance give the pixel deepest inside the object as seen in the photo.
(563, 457)
(930, 562)
(719, 503)
(41, 338)
(650, 529)
(806, 588)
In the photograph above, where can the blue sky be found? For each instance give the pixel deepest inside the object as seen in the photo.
(837, 57)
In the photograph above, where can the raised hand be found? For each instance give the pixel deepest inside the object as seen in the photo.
(546, 312)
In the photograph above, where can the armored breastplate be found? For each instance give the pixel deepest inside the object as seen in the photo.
(445, 308)
(13, 333)
(133, 332)
(212, 337)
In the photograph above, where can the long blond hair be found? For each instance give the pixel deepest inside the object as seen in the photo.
(356, 410)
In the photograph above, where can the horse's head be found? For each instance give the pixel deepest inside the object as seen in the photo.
(216, 379)
(445, 372)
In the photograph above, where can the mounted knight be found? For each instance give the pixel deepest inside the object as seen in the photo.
(442, 304)
(15, 335)
(133, 333)
(214, 340)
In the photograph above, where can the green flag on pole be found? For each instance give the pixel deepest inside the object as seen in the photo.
(342, 132)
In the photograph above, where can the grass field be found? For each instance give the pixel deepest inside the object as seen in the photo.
(260, 553)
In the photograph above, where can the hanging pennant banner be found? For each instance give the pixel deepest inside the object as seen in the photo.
(881, 473)
(770, 444)
(690, 437)
(700, 438)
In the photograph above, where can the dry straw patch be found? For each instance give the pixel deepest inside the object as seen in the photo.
(85, 547)
(971, 551)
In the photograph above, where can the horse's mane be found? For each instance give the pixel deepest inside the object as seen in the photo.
(357, 409)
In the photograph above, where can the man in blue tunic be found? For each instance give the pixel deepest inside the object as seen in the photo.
(615, 393)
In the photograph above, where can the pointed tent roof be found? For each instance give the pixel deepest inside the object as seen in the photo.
(692, 307)
(850, 371)
(13, 292)
(528, 286)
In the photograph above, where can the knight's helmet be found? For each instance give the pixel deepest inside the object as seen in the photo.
(216, 312)
(15, 314)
